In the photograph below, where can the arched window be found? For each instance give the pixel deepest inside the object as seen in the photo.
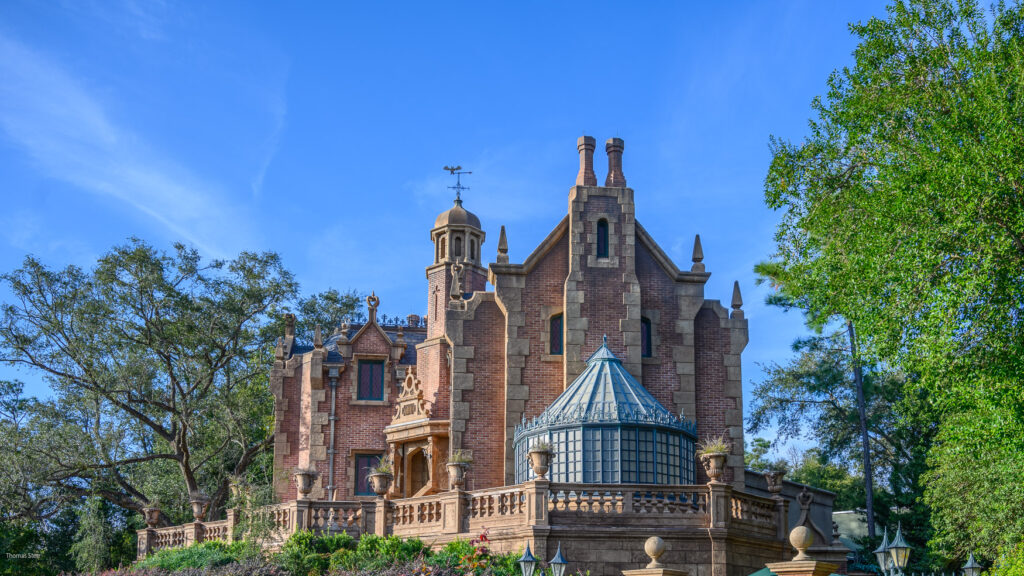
(457, 246)
(472, 248)
(645, 337)
(444, 253)
(555, 335)
(602, 238)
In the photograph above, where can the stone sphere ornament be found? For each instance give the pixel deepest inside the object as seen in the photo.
(801, 538)
(654, 547)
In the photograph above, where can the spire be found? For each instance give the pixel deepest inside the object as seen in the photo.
(502, 247)
(371, 307)
(737, 301)
(318, 339)
(698, 255)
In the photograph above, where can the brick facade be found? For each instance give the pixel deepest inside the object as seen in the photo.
(483, 357)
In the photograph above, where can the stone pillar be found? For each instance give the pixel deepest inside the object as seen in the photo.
(654, 547)
(300, 514)
(146, 538)
(233, 516)
(193, 533)
(719, 497)
(380, 525)
(454, 512)
(537, 502)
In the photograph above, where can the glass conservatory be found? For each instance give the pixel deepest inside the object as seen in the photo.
(606, 428)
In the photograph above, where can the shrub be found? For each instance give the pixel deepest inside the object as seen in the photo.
(203, 555)
(306, 553)
(377, 552)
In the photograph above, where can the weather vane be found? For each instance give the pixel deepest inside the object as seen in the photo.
(457, 172)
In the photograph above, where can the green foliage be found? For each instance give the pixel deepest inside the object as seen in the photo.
(203, 555)
(377, 552)
(308, 553)
(94, 537)
(1009, 563)
(903, 211)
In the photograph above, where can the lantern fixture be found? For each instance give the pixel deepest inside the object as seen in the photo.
(900, 549)
(558, 562)
(882, 553)
(972, 568)
(527, 563)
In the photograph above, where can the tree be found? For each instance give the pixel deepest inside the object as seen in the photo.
(903, 212)
(158, 371)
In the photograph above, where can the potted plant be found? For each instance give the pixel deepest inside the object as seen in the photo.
(458, 463)
(200, 506)
(304, 478)
(540, 457)
(151, 514)
(381, 476)
(713, 452)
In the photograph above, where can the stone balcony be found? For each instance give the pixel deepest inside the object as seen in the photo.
(712, 529)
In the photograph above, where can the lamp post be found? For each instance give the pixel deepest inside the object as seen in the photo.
(527, 563)
(558, 562)
(899, 549)
(972, 568)
(882, 555)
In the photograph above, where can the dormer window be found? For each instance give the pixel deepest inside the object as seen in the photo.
(371, 380)
(602, 238)
(555, 336)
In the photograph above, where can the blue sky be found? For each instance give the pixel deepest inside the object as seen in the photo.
(319, 131)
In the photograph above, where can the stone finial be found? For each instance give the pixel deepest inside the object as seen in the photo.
(371, 307)
(586, 176)
(698, 255)
(616, 178)
(654, 547)
(737, 300)
(289, 325)
(801, 538)
(774, 480)
(502, 247)
(318, 339)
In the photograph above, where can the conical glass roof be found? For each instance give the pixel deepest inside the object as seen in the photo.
(606, 393)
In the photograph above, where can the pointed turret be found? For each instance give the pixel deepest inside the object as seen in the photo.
(502, 247)
(698, 255)
(737, 301)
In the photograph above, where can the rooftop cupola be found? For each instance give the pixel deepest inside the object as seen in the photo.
(457, 234)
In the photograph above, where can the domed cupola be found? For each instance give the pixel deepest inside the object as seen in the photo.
(605, 428)
(457, 235)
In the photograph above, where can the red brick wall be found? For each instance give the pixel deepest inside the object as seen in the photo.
(289, 425)
(603, 287)
(657, 292)
(485, 428)
(545, 286)
(435, 379)
(711, 342)
(358, 428)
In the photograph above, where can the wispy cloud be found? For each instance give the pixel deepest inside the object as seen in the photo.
(68, 133)
(279, 114)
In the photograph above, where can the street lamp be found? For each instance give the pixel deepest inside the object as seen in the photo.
(528, 563)
(900, 549)
(972, 568)
(882, 553)
(558, 562)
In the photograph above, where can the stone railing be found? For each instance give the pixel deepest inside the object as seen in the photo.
(654, 505)
(538, 504)
(754, 512)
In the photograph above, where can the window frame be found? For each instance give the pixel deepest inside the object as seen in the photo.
(601, 233)
(560, 333)
(356, 461)
(366, 363)
(646, 337)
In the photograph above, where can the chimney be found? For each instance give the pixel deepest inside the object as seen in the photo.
(615, 177)
(586, 177)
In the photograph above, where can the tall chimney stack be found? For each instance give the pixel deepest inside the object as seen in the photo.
(586, 176)
(615, 177)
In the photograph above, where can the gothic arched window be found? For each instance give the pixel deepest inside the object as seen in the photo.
(602, 238)
(555, 335)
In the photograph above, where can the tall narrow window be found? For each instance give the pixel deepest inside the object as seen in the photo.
(555, 340)
(472, 248)
(444, 253)
(371, 380)
(365, 463)
(645, 337)
(457, 246)
(602, 238)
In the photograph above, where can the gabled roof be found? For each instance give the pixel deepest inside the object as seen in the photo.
(606, 393)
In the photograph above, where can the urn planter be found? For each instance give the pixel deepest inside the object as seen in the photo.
(774, 479)
(540, 461)
(304, 478)
(457, 475)
(714, 464)
(380, 483)
(152, 516)
(200, 506)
